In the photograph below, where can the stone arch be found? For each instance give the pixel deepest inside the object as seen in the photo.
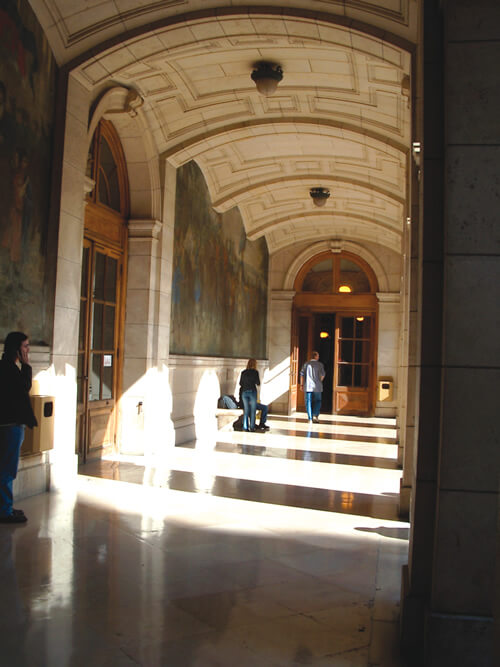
(122, 106)
(337, 246)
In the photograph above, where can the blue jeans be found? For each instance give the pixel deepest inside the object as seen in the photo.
(249, 398)
(313, 404)
(263, 412)
(11, 439)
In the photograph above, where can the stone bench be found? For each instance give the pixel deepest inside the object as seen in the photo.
(226, 416)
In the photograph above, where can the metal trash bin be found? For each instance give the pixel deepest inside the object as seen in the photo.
(40, 438)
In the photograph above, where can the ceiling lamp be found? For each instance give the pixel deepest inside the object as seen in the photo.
(319, 195)
(266, 76)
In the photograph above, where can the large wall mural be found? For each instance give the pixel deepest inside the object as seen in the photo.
(27, 246)
(219, 286)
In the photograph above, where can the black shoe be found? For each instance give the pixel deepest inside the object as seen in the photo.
(263, 427)
(14, 518)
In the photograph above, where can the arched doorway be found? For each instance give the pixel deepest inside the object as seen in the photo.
(102, 295)
(335, 312)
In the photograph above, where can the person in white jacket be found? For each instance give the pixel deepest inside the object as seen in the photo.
(312, 375)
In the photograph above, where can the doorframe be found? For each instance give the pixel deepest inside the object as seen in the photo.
(107, 229)
(372, 385)
(308, 303)
(83, 415)
(340, 304)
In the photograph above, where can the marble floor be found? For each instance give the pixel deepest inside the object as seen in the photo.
(242, 549)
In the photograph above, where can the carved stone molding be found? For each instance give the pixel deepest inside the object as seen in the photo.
(130, 104)
(88, 186)
(282, 295)
(144, 229)
(388, 297)
(336, 246)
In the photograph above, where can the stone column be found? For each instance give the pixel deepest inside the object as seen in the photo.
(460, 621)
(71, 149)
(140, 320)
(409, 372)
(166, 263)
(277, 378)
(449, 590)
(425, 338)
(146, 403)
(389, 324)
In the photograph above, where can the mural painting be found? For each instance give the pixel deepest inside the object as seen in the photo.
(219, 285)
(27, 251)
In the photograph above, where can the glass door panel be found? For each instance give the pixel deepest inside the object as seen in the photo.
(354, 362)
(98, 349)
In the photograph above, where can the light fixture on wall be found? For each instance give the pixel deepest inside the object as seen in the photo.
(319, 195)
(345, 289)
(324, 334)
(266, 76)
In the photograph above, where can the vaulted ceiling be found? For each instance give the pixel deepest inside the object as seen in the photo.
(340, 118)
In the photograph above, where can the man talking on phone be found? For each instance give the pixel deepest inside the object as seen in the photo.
(15, 413)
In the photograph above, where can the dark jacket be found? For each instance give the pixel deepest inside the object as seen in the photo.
(249, 379)
(15, 404)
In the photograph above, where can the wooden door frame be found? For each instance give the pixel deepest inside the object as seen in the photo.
(294, 370)
(372, 385)
(81, 407)
(332, 301)
(84, 407)
(305, 304)
(297, 314)
(107, 229)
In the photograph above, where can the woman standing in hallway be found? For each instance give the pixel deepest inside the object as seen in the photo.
(249, 380)
(15, 413)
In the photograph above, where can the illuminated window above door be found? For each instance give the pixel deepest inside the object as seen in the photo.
(341, 273)
(106, 167)
(352, 275)
(320, 278)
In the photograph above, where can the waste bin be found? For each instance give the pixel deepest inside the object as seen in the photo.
(385, 389)
(40, 438)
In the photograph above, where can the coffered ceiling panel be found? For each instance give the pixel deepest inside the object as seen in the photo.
(76, 26)
(340, 118)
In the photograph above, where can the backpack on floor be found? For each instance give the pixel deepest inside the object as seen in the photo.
(238, 424)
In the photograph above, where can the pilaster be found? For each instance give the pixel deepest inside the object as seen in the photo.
(277, 378)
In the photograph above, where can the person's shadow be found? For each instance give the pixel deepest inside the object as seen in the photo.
(395, 533)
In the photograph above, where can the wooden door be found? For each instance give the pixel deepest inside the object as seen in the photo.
(305, 322)
(99, 353)
(354, 364)
(336, 308)
(102, 295)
